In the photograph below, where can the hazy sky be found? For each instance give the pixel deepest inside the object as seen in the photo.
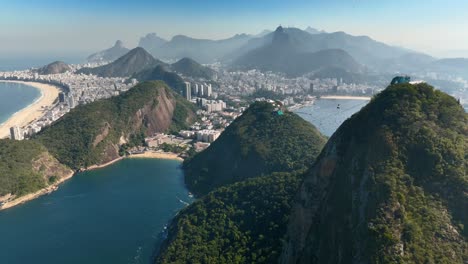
(438, 27)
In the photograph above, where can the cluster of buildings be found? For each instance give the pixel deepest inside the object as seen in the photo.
(197, 90)
(211, 105)
(245, 83)
(76, 89)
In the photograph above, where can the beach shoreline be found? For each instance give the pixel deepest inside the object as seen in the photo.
(34, 111)
(39, 193)
(344, 97)
(156, 155)
(55, 186)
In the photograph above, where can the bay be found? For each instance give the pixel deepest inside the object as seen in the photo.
(328, 114)
(111, 215)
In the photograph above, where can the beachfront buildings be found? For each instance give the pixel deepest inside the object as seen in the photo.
(16, 133)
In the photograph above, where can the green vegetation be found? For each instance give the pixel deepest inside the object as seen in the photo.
(263, 155)
(172, 148)
(397, 193)
(241, 223)
(17, 175)
(259, 142)
(191, 68)
(92, 133)
(161, 73)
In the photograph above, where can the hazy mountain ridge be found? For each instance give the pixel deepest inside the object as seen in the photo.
(110, 54)
(191, 68)
(286, 54)
(201, 50)
(136, 60)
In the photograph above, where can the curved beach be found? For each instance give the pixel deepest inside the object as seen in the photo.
(157, 155)
(49, 94)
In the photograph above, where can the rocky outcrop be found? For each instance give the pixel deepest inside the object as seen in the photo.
(54, 68)
(110, 54)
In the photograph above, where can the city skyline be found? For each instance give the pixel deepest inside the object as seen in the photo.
(43, 27)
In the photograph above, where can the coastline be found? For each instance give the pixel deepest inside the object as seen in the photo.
(54, 186)
(32, 196)
(49, 93)
(95, 167)
(156, 155)
(344, 97)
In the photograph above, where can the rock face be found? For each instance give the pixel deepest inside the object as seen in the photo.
(100, 131)
(390, 186)
(136, 60)
(110, 54)
(54, 68)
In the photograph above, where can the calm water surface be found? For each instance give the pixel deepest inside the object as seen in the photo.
(111, 215)
(116, 214)
(327, 115)
(14, 97)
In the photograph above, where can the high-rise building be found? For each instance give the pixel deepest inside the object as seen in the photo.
(201, 90)
(16, 133)
(188, 91)
(195, 90)
(71, 102)
(311, 89)
(62, 97)
(209, 90)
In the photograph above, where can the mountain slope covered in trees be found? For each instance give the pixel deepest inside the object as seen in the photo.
(390, 186)
(258, 142)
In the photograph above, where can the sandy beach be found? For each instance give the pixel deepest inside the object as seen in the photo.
(157, 155)
(345, 97)
(94, 167)
(49, 94)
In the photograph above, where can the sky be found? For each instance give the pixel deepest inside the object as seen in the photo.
(80, 27)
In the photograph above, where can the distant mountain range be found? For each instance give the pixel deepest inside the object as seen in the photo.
(139, 64)
(201, 50)
(300, 51)
(191, 68)
(110, 54)
(136, 60)
(285, 54)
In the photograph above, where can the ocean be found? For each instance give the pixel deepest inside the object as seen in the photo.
(116, 214)
(14, 97)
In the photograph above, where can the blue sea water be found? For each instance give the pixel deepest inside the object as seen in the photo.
(116, 214)
(14, 97)
(327, 114)
(110, 215)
